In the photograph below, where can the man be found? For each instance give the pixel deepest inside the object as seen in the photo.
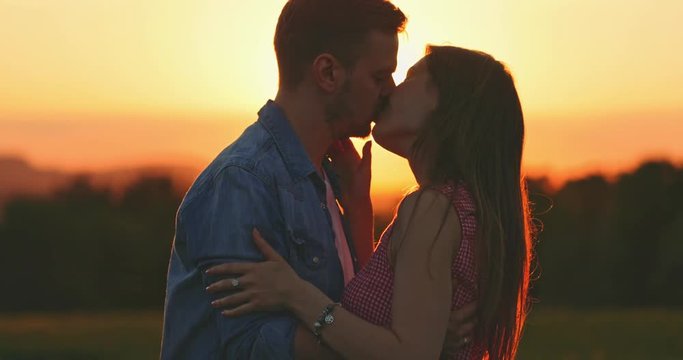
(335, 59)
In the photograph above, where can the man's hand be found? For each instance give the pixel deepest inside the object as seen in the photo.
(460, 329)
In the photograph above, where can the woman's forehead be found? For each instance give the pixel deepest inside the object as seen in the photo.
(418, 67)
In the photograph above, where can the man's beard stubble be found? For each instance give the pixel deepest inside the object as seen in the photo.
(340, 108)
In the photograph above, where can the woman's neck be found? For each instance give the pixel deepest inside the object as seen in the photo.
(420, 171)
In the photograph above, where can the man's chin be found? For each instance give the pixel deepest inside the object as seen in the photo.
(361, 132)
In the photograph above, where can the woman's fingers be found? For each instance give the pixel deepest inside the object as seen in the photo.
(470, 313)
(230, 268)
(264, 247)
(339, 146)
(240, 310)
(232, 300)
(466, 313)
(366, 161)
(466, 329)
(227, 284)
(343, 150)
(346, 144)
(350, 149)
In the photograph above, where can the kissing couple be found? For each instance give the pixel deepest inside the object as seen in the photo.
(273, 255)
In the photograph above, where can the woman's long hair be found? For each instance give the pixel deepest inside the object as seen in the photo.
(476, 134)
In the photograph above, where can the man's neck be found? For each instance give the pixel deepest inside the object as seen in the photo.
(307, 119)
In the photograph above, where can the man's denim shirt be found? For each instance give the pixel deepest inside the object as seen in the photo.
(264, 180)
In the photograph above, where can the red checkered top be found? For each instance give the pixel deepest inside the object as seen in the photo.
(369, 294)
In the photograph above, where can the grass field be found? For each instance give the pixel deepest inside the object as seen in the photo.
(551, 334)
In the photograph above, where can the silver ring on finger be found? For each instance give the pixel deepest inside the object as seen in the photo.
(235, 282)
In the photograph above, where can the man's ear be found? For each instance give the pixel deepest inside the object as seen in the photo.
(328, 73)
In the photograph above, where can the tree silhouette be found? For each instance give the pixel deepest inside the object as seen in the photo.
(82, 248)
(600, 243)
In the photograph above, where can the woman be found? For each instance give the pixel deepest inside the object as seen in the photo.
(463, 235)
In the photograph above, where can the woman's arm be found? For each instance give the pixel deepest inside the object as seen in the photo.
(422, 290)
(355, 174)
(362, 226)
(306, 347)
(428, 231)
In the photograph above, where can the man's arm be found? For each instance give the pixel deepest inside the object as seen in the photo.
(219, 222)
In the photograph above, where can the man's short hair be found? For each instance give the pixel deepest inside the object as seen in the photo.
(308, 28)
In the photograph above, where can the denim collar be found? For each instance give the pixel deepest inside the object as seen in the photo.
(274, 120)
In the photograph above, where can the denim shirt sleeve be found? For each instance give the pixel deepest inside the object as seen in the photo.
(218, 224)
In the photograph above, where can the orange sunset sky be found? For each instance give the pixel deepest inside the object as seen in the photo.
(99, 84)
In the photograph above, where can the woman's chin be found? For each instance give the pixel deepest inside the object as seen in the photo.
(373, 132)
(386, 145)
(377, 136)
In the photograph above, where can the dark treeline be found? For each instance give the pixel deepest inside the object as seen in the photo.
(603, 243)
(87, 248)
(614, 243)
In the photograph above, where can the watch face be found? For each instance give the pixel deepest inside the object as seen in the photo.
(329, 319)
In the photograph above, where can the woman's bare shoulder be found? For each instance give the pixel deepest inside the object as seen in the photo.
(426, 202)
(428, 213)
